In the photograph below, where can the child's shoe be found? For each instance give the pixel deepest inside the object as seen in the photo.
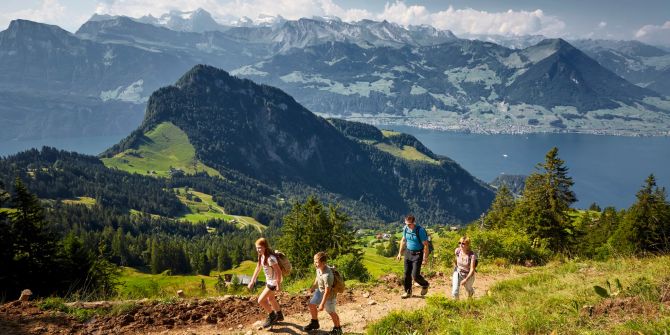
(313, 325)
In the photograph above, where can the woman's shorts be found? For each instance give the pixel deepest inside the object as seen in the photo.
(329, 306)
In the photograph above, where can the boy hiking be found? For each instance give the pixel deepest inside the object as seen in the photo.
(415, 244)
(324, 295)
(273, 278)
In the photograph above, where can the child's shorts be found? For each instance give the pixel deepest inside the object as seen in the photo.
(329, 306)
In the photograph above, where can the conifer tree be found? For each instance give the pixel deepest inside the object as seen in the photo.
(6, 246)
(646, 224)
(547, 197)
(501, 209)
(34, 245)
(310, 228)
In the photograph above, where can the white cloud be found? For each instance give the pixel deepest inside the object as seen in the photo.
(471, 21)
(460, 21)
(49, 11)
(602, 24)
(654, 34)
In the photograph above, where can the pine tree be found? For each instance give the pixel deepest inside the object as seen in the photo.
(34, 245)
(547, 197)
(155, 257)
(646, 224)
(501, 209)
(310, 228)
(7, 270)
(557, 183)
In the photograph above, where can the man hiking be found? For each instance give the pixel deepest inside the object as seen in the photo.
(414, 243)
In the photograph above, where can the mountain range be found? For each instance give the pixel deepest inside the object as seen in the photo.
(100, 78)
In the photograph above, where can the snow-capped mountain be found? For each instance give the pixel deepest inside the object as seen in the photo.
(197, 21)
(367, 70)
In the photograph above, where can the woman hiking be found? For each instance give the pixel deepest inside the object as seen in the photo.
(273, 278)
(464, 271)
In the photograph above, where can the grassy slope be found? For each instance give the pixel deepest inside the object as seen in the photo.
(88, 201)
(168, 146)
(406, 152)
(207, 209)
(558, 298)
(138, 284)
(379, 265)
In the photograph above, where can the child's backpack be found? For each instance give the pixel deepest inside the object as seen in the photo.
(458, 253)
(338, 280)
(284, 263)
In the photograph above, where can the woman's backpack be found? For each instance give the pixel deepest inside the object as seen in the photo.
(338, 280)
(284, 263)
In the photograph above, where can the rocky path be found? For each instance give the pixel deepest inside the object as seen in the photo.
(227, 315)
(361, 307)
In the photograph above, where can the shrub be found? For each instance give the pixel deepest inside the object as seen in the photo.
(351, 267)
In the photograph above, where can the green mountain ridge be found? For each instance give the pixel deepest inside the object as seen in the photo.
(258, 132)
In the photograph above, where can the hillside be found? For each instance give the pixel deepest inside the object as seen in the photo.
(164, 149)
(259, 132)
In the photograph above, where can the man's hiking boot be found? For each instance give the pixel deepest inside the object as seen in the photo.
(280, 316)
(313, 325)
(336, 331)
(406, 295)
(272, 318)
(424, 290)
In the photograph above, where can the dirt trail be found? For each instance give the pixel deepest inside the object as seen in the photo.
(229, 315)
(361, 308)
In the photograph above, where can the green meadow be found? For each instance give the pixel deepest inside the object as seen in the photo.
(406, 152)
(165, 147)
(136, 284)
(203, 208)
(87, 201)
(558, 298)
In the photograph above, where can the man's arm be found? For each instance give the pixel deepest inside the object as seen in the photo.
(402, 247)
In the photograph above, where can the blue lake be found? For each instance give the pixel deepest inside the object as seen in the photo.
(608, 170)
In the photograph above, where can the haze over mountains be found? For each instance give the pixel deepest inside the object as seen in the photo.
(99, 79)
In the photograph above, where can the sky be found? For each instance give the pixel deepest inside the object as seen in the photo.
(644, 20)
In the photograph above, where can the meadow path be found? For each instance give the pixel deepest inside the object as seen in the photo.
(362, 307)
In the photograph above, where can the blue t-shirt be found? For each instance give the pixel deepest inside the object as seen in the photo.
(411, 240)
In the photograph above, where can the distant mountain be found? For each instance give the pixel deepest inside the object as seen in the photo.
(375, 72)
(569, 77)
(641, 64)
(464, 85)
(239, 127)
(514, 182)
(54, 84)
(511, 41)
(197, 21)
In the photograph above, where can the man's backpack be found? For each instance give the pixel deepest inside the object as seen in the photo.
(418, 236)
(458, 253)
(284, 263)
(338, 280)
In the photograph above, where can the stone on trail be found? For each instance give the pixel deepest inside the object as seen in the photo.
(25, 295)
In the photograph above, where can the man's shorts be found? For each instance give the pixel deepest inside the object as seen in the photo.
(329, 306)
